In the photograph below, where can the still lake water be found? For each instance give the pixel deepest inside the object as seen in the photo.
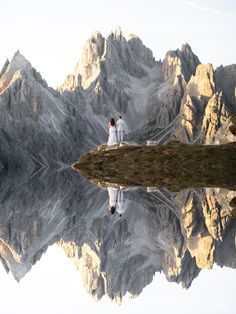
(173, 252)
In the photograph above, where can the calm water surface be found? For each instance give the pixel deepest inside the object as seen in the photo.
(159, 251)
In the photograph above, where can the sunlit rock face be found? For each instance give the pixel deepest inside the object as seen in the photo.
(215, 116)
(206, 108)
(199, 91)
(202, 84)
(88, 68)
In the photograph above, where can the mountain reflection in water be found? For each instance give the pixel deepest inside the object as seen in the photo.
(178, 234)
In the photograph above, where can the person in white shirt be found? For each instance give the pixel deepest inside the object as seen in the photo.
(116, 201)
(120, 203)
(121, 128)
(113, 196)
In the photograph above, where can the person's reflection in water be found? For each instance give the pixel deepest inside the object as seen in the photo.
(113, 194)
(116, 201)
(120, 202)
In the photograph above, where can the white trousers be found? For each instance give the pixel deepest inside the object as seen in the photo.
(120, 136)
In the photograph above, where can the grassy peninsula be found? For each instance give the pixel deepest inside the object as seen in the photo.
(174, 166)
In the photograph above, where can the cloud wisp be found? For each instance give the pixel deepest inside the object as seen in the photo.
(208, 9)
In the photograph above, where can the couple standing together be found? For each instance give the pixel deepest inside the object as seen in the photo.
(116, 131)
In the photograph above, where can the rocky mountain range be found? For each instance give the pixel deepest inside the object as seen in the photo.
(177, 98)
(177, 234)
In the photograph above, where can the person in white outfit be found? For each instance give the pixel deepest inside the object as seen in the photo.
(112, 139)
(113, 198)
(120, 202)
(121, 128)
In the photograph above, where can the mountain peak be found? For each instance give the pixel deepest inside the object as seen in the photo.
(88, 66)
(185, 60)
(133, 37)
(7, 62)
(18, 61)
(95, 36)
(17, 68)
(11, 70)
(116, 34)
(186, 47)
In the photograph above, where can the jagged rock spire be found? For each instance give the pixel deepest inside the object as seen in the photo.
(180, 61)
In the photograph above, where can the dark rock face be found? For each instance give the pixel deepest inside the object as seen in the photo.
(226, 81)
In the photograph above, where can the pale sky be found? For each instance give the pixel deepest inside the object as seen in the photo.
(51, 33)
(53, 286)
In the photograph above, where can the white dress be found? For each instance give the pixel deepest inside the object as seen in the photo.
(112, 139)
(112, 196)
